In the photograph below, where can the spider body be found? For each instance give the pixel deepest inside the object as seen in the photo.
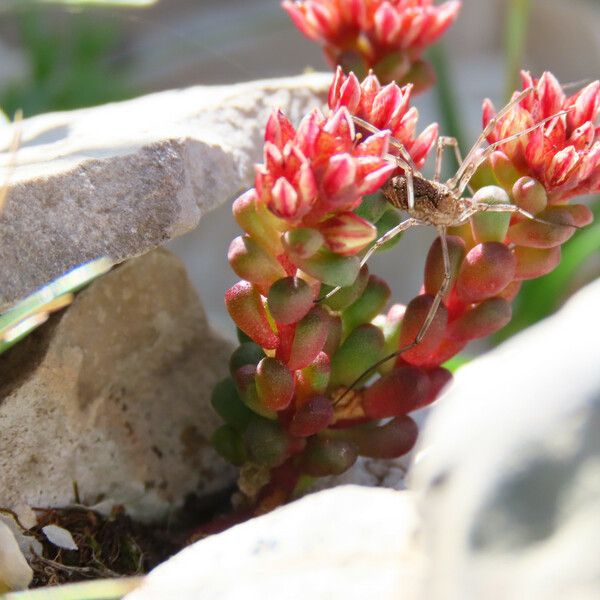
(434, 202)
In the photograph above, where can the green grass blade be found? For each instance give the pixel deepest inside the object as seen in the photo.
(105, 589)
(28, 314)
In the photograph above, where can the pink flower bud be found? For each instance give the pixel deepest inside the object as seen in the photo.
(250, 262)
(303, 242)
(504, 170)
(347, 234)
(262, 225)
(414, 317)
(530, 195)
(534, 234)
(289, 300)
(314, 379)
(535, 262)
(481, 320)
(434, 265)
(247, 311)
(312, 417)
(487, 269)
(274, 384)
(309, 339)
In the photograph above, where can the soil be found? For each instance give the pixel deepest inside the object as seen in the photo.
(115, 545)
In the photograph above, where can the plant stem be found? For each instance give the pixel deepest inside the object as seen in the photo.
(446, 96)
(517, 19)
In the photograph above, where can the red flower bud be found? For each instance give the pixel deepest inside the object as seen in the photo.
(247, 311)
(274, 384)
(289, 300)
(312, 417)
(535, 262)
(481, 320)
(487, 269)
(414, 317)
(309, 339)
(534, 234)
(399, 392)
(250, 262)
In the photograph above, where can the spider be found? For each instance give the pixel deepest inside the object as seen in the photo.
(440, 204)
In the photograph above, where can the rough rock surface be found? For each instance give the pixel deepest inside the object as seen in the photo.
(327, 545)
(509, 475)
(113, 394)
(121, 179)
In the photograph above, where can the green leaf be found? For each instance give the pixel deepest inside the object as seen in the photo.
(31, 312)
(456, 362)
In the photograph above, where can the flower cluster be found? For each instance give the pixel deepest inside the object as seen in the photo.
(288, 407)
(385, 108)
(564, 154)
(542, 170)
(305, 225)
(387, 36)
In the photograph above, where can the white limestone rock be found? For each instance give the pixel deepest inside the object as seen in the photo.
(509, 470)
(15, 573)
(121, 179)
(349, 542)
(114, 394)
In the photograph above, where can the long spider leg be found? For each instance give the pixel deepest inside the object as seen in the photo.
(426, 323)
(484, 135)
(386, 237)
(511, 208)
(410, 195)
(395, 143)
(475, 164)
(444, 141)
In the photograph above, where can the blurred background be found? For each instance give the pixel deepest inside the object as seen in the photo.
(59, 55)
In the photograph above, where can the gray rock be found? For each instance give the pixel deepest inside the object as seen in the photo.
(349, 542)
(121, 179)
(113, 394)
(509, 469)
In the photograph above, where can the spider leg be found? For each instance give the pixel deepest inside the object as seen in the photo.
(426, 323)
(392, 233)
(395, 143)
(442, 142)
(484, 135)
(475, 164)
(511, 208)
